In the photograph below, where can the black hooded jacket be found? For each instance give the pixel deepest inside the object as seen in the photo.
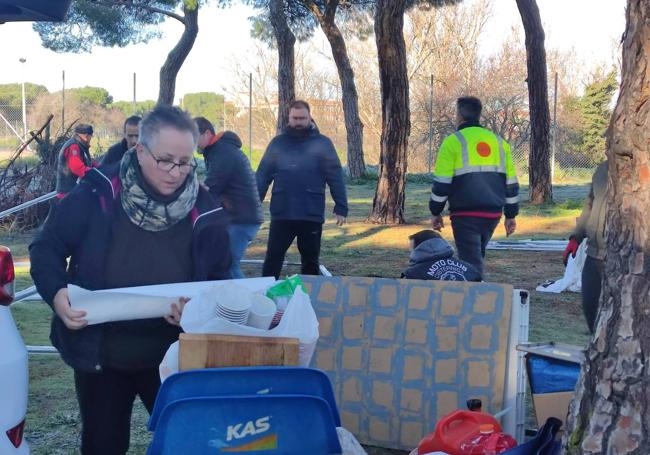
(231, 179)
(433, 260)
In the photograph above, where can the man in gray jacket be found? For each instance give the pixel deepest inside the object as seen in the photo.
(591, 225)
(299, 162)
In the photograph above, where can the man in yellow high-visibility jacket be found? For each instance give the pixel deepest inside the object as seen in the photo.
(475, 174)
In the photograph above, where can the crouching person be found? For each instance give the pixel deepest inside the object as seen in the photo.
(432, 259)
(142, 221)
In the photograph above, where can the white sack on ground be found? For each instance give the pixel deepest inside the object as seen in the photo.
(572, 279)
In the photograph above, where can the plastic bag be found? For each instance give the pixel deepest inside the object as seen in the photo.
(199, 316)
(349, 444)
(572, 279)
(169, 364)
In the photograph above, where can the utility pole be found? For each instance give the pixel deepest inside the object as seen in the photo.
(554, 131)
(134, 98)
(431, 125)
(250, 116)
(23, 60)
(63, 103)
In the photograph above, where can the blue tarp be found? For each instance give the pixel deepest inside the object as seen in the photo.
(548, 375)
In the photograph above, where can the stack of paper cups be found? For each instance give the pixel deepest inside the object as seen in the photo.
(281, 302)
(262, 312)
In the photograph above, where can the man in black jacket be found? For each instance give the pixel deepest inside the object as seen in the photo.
(299, 162)
(131, 133)
(232, 181)
(143, 221)
(432, 258)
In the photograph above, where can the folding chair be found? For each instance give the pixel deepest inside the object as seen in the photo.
(217, 382)
(257, 424)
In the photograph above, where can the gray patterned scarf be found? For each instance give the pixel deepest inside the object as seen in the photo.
(147, 209)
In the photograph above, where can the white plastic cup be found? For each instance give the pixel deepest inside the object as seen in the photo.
(261, 312)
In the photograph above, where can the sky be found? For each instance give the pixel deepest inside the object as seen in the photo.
(589, 27)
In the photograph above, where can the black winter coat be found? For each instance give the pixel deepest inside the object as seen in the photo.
(231, 179)
(115, 152)
(80, 229)
(300, 163)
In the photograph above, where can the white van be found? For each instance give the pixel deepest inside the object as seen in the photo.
(14, 378)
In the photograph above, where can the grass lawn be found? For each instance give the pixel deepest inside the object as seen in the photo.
(357, 249)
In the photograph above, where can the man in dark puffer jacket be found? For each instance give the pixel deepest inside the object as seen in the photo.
(432, 259)
(232, 181)
(300, 162)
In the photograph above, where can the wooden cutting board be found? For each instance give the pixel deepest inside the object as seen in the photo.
(214, 351)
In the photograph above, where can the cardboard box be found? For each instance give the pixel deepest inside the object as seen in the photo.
(551, 405)
(554, 403)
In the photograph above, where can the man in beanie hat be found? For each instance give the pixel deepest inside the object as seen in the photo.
(74, 159)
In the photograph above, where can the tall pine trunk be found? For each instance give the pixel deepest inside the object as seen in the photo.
(177, 56)
(350, 98)
(388, 203)
(539, 166)
(286, 41)
(610, 413)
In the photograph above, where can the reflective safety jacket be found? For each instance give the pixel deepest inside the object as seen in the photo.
(475, 173)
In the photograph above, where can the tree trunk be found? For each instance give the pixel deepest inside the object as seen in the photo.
(353, 125)
(539, 166)
(388, 204)
(177, 56)
(286, 76)
(610, 413)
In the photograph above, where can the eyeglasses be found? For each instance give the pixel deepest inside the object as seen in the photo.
(168, 166)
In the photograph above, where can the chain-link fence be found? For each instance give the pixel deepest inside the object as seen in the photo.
(570, 166)
(14, 128)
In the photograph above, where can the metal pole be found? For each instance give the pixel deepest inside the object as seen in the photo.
(23, 60)
(431, 125)
(134, 98)
(250, 116)
(63, 103)
(554, 131)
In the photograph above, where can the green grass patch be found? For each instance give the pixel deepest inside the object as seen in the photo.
(356, 249)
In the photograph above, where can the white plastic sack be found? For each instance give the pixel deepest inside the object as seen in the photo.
(199, 316)
(572, 279)
(349, 444)
(169, 364)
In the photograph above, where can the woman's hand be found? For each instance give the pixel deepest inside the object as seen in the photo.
(73, 319)
(177, 311)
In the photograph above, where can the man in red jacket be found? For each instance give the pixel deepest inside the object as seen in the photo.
(74, 159)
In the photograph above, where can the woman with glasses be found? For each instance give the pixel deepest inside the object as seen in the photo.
(142, 221)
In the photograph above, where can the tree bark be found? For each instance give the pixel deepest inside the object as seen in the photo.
(539, 166)
(177, 56)
(285, 40)
(350, 98)
(610, 413)
(388, 203)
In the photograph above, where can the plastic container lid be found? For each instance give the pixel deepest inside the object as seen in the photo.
(486, 428)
